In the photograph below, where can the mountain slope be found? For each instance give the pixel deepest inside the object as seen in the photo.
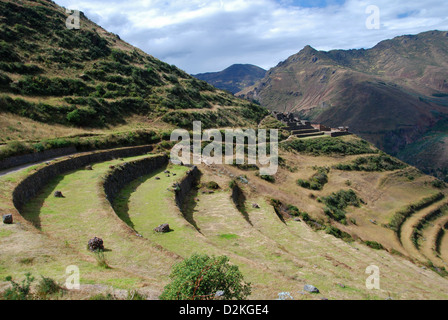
(235, 78)
(394, 94)
(90, 78)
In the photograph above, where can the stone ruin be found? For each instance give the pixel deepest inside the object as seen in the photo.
(304, 128)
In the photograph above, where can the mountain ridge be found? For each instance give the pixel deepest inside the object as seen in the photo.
(391, 94)
(234, 78)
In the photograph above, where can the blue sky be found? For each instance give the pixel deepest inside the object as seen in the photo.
(210, 35)
(311, 3)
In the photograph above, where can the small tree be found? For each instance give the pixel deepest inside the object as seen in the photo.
(200, 277)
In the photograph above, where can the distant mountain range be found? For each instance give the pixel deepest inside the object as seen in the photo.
(394, 94)
(235, 78)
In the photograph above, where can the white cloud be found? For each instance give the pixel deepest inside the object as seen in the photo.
(200, 35)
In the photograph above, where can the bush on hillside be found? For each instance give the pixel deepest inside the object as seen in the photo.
(327, 146)
(200, 277)
(337, 202)
(373, 163)
(317, 181)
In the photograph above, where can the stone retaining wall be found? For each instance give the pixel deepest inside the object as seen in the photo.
(186, 184)
(124, 174)
(30, 186)
(17, 161)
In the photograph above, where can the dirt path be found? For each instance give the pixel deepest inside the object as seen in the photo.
(22, 167)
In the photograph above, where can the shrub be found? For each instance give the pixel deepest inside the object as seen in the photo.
(374, 245)
(327, 146)
(317, 181)
(336, 203)
(101, 259)
(47, 287)
(373, 163)
(200, 277)
(335, 232)
(19, 291)
(268, 178)
(43, 86)
(439, 184)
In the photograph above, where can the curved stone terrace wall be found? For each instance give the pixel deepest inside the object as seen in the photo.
(31, 185)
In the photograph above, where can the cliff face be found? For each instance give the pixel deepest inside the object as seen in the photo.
(394, 94)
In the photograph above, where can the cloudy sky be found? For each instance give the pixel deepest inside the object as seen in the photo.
(210, 35)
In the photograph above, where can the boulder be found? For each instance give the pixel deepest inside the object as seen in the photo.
(157, 178)
(163, 228)
(58, 194)
(96, 244)
(89, 167)
(311, 289)
(7, 219)
(255, 206)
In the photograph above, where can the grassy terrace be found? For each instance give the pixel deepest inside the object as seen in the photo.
(274, 255)
(81, 215)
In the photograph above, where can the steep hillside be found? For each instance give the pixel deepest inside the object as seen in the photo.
(89, 78)
(368, 209)
(235, 78)
(394, 94)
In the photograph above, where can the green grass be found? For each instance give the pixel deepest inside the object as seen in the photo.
(5, 233)
(81, 215)
(229, 236)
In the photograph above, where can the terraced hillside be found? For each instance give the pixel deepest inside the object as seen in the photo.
(278, 233)
(74, 84)
(335, 207)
